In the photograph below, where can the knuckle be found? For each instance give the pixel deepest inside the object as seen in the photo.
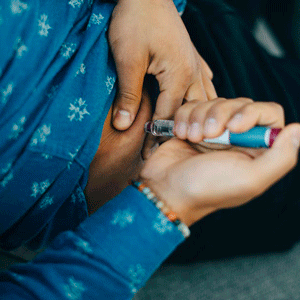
(184, 110)
(180, 113)
(208, 83)
(221, 99)
(196, 114)
(249, 108)
(245, 99)
(278, 108)
(210, 75)
(218, 108)
(188, 71)
(205, 72)
(195, 102)
(128, 97)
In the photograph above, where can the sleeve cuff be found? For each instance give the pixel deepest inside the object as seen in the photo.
(134, 233)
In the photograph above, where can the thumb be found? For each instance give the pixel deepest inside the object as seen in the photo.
(130, 82)
(281, 158)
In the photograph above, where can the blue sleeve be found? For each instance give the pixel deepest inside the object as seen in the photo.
(110, 256)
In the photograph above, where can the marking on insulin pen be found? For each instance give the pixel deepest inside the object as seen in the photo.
(222, 139)
(267, 137)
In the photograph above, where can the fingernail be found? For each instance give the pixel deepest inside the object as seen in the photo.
(122, 118)
(194, 130)
(181, 130)
(235, 120)
(210, 126)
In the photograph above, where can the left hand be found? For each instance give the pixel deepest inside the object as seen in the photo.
(149, 37)
(194, 184)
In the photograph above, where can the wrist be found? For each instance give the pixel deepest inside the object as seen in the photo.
(164, 209)
(171, 200)
(188, 210)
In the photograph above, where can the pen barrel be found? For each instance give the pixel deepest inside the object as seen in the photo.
(257, 137)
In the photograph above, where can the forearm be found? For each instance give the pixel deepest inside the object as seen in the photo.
(110, 256)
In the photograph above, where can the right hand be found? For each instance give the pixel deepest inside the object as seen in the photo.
(197, 120)
(196, 184)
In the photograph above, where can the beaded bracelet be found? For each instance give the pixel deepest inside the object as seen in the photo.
(162, 207)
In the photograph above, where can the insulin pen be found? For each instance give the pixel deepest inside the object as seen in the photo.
(257, 137)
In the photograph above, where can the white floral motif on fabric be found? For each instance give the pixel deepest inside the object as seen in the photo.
(20, 48)
(6, 92)
(73, 155)
(95, 19)
(18, 277)
(77, 196)
(162, 224)
(75, 3)
(46, 155)
(81, 70)
(83, 246)
(39, 188)
(40, 135)
(17, 128)
(110, 82)
(47, 200)
(123, 218)
(73, 289)
(4, 169)
(43, 25)
(77, 110)
(17, 7)
(67, 50)
(7, 179)
(73, 199)
(136, 275)
(69, 164)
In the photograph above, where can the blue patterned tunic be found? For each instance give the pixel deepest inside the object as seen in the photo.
(57, 82)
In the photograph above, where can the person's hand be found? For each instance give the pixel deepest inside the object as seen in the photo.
(118, 158)
(149, 37)
(195, 120)
(196, 184)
